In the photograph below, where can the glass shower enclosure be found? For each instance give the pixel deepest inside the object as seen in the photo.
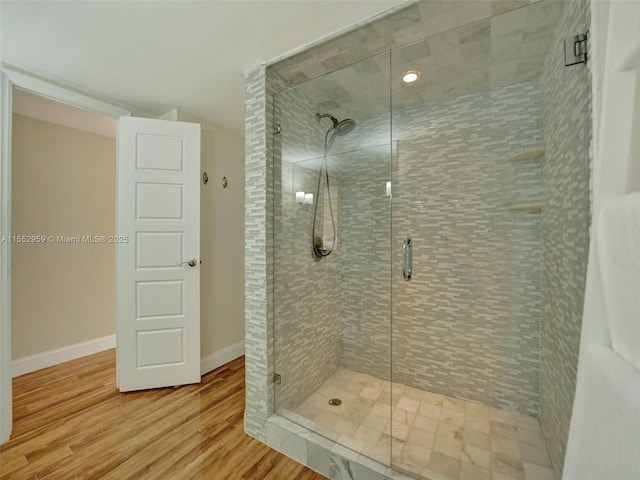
(407, 252)
(332, 268)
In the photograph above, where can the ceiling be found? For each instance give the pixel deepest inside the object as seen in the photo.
(156, 56)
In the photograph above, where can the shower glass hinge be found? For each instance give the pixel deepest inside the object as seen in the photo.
(276, 128)
(575, 49)
(277, 379)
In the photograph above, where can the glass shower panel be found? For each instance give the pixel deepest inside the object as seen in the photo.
(332, 234)
(466, 192)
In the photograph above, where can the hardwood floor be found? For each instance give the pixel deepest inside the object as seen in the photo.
(70, 422)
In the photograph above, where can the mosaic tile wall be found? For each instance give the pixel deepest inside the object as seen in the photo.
(477, 260)
(467, 324)
(366, 270)
(311, 298)
(260, 89)
(565, 228)
(307, 300)
(256, 271)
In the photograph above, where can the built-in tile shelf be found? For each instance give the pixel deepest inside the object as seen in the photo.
(527, 207)
(526, 155)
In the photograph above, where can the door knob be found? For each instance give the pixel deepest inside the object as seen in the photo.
(191, 262)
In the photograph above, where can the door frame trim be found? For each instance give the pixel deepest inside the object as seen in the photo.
(10, 78)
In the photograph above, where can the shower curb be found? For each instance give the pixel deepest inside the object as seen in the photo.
(324, 456)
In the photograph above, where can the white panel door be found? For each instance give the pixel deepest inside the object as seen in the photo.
(158, 253)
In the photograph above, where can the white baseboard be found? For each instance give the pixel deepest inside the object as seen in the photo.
(23, 365)
(219, 358)
(39, 361)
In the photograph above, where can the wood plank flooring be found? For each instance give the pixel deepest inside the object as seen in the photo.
(70, 422)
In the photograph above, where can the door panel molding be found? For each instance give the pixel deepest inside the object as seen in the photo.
(158, 273)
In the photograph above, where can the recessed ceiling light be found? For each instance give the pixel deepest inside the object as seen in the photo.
(410, 76)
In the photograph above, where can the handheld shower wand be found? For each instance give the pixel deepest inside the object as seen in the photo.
(337, 129)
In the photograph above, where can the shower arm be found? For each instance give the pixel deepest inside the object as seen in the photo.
(334, 120)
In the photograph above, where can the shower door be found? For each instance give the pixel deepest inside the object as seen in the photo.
(467, 195)
(332, 264)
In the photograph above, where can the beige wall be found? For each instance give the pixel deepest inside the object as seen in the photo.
(63, 183)
(222, 240)
(221, 236)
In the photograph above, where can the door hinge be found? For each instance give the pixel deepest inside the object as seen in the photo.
(277, 379)
(276, 128)
(575, 49)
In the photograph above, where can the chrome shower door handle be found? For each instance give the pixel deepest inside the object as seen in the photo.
(407, 259)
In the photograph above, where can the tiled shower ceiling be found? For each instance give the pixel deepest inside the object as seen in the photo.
(459, 48)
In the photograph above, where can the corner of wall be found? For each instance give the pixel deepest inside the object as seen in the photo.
(171, 116)
(221, 357)
(565, 227)
(260, 87)
(257, 305)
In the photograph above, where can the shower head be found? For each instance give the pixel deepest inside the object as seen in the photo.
(345, 127)
(342, 128)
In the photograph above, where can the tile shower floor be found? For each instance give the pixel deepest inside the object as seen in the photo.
(430, 436)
